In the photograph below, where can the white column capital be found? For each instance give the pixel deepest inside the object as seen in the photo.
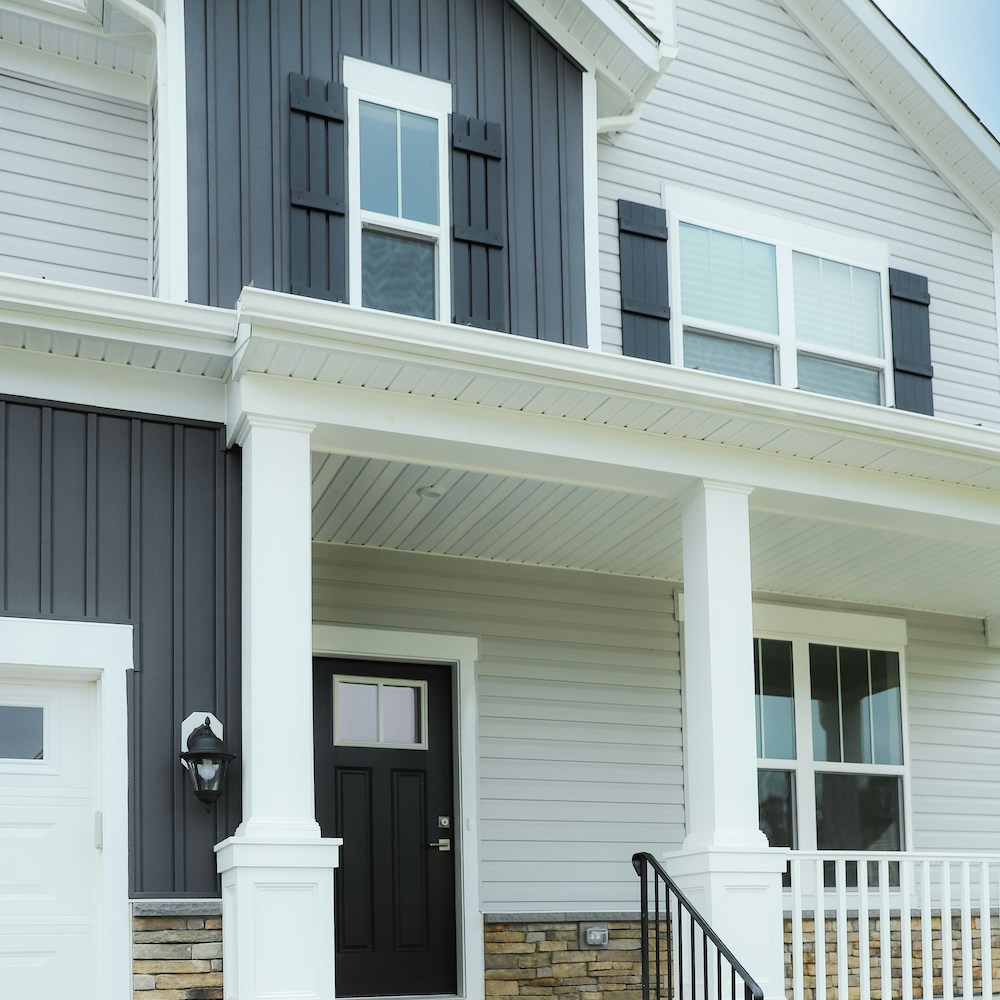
(708, 486)
(247, 422)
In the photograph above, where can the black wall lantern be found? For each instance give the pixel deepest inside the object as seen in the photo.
(206, 758)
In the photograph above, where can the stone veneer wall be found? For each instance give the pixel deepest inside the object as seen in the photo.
(537, 955)
(176, 951)
(895, 956)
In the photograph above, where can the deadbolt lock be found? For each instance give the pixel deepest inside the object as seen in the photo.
(444, 822)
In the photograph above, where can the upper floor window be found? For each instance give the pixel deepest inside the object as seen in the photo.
(778, 300)
(398, 190)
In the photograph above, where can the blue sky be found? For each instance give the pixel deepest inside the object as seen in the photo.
(959, 38)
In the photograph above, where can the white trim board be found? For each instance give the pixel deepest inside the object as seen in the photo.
(838, 627)
(35, 648)
(463, 653)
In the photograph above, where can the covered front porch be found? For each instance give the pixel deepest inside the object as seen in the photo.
(606, 532)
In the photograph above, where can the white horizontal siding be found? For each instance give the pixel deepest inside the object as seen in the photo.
(580, 758)
(74, 187)
(954, 715)
(752, 109)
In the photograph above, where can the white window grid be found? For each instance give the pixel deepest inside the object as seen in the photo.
(787, 235)
(49, 761)
(380, 683)
(804, 768)
(400, 91)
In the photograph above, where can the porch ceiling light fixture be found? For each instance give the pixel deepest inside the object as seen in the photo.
(206, 757)
(430, 492)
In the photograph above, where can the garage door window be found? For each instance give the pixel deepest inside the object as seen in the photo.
(22, 732)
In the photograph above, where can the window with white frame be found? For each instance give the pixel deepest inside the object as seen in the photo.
(778, 300)
(830, 745)
(398, 190)
(379, 712)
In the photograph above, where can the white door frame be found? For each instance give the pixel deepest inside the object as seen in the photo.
(43, 648)
(462, 652)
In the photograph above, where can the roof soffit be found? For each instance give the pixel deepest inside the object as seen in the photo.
(626, 53)
(896, 78)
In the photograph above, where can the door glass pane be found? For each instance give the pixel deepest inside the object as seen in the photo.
(21, 732)
(834, 378)
(379, 159)
(418, 138)
(357, 712)
(858, 812)
(776, 806)
(776, 709)
(727, 356)
(825, 702)
(855, 706)
(400, 714)
(728, 279)
(887, 727)
(837, 305)
(397, 274)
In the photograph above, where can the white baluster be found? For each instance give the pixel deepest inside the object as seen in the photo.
(819, 910)
(985, 937)
(798, 958)
(906, 872)
(840, 882)
(864, 930)
(947, 965)
(926, 939)
(884, 929)
(965, 929)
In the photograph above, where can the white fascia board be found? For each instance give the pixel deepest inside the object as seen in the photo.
(120, 316)
(76, 14)
(613, 19)
(81, 382)
(284, 319)
(626, 57)
(72, 74)
(926, 80)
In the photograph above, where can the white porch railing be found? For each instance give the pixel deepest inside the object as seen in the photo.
(889, 925)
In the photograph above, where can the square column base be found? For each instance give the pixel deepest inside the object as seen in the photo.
(277, 917)
(739, 893)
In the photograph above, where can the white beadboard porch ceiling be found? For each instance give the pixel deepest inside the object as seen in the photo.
(374, 503)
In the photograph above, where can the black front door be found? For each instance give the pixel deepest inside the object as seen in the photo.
(384, 784)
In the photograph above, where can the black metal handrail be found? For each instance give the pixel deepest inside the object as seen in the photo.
(670, 922)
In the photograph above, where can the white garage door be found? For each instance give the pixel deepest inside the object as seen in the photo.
(48, 853)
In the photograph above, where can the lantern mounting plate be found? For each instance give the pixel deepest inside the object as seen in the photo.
(193, 722)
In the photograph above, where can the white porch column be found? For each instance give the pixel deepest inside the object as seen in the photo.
(725, 866)
(277, 872)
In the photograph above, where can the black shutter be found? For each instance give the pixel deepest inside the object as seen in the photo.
(317, 144)
(479, 258)
(642, 246)
(909, 310)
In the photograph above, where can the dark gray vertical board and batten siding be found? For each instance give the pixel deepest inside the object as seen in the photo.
(527, 277)
(119, 518)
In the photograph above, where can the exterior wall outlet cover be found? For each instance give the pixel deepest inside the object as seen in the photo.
(593, 935)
